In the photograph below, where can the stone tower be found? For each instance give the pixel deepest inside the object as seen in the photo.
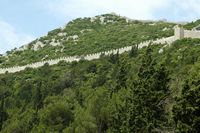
(178, 32)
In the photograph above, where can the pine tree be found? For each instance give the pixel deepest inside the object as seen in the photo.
(114, 58)
(121, 76)
(144, 108)
(134, 51)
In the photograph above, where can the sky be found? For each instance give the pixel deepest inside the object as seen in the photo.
(22, 21)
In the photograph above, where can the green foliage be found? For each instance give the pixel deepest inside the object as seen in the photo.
(132, 92)
(191, 25)
(54, 32)
(134, 51)
(143, 109)
(55, 117)
(114, 58)
(186, 110)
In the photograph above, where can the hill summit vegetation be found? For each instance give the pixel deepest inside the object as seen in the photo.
(153, 89)
(86, 36)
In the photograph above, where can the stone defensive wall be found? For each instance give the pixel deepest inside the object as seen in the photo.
(89, 57)
(191, 34)
(181, 33)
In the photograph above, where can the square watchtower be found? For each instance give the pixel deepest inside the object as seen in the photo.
(178, 32)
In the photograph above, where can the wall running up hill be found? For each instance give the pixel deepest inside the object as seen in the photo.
(179, 33)
(14, 69)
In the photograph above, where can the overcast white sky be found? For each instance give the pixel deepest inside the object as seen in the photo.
(22, 21)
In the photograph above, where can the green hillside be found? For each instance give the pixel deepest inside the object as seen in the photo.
(193, 24)
(155, 89)
(87, 35)
(139, 91)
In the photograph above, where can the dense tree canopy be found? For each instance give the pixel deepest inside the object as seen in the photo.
(139, 91)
